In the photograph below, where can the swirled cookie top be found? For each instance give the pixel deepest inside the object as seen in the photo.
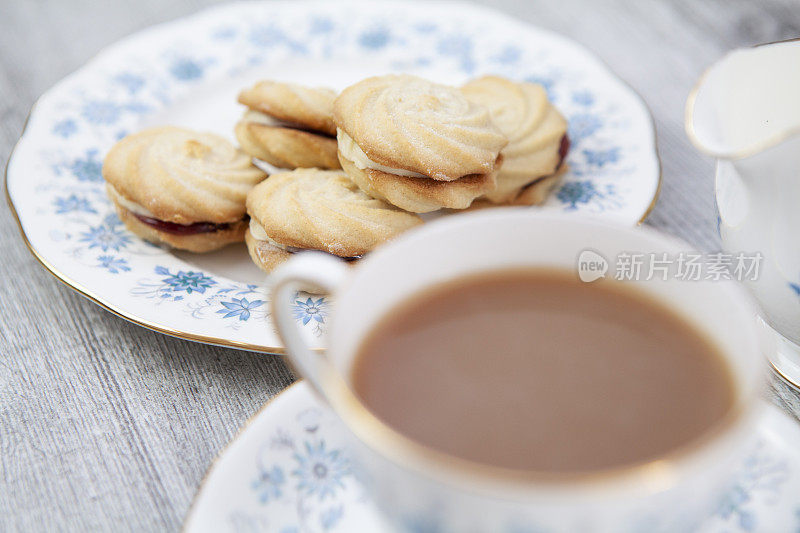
(324, 210)
(182, 176)
(307, 107)
(523, 113)
(406, 122)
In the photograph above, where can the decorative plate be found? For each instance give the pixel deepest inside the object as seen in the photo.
(189, 72)
(288, 472)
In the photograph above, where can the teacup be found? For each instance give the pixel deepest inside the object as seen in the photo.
(419, 488)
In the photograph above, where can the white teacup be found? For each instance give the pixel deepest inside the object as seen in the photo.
(417, 487)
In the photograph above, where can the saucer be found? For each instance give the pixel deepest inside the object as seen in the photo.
(288, 472)
(188, 73)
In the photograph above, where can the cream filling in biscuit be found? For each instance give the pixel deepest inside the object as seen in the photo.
(133, 207)
(351, 151)
(260, 234)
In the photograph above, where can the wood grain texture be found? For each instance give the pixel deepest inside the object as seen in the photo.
(105, 425)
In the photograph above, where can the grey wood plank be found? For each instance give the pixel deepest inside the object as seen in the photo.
(105, 425)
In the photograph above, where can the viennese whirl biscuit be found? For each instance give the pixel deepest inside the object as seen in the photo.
(537, 137)
(181, 188)
(288, 125)
(419, 145)
(312, 209)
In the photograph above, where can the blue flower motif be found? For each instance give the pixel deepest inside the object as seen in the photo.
(581, 192)
(795, 287)
(421, 523)
(112, 220)
(269, 36)
(310, 309)
(330, 517)
(137, 107)
(760, 477)
(87, 168)
(265, 36)
(250, 287)
(508, 55)
(106, 237)
(374, 39)
(132, 82)
(101, 112)
(734, 504)
(321, 25)
(584, 98)
(186, 281)
(65, 128)
(583, 125)
(320, 471)
(71, 204)
(460, 47)
(425, 27)
(454, 44)
(239, 307)
(115, 265)
(185, 69)
(268, 485)
(601, 157)
(548, 82)
(224, 33)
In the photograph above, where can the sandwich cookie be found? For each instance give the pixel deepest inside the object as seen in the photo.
(181, 188)
(288, 125)
(537, 137)
(313, 209)
(416, 144)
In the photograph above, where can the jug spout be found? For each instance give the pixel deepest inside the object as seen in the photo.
(747, 102)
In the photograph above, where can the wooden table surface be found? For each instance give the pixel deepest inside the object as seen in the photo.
(106, 425)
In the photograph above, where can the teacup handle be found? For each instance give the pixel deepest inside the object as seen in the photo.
(304, 269)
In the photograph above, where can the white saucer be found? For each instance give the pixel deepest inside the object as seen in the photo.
(288, 472)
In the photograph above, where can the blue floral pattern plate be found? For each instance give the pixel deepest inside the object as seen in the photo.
(288, 472)
(189, 72)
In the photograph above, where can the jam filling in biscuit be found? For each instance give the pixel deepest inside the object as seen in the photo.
(563, 149)
(146, 217)
(183, 229)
